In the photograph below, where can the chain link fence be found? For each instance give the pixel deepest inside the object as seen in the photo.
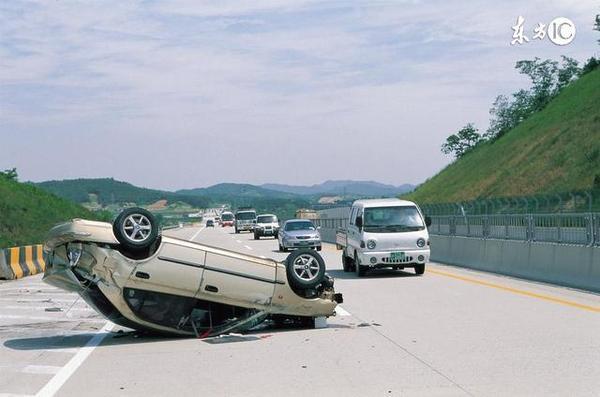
(569, 202)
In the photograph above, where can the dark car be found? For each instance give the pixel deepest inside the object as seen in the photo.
(210, 223)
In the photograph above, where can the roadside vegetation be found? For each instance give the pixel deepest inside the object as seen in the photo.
(541, 140)
(28, 212)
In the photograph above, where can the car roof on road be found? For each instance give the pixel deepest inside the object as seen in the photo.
(298, 220)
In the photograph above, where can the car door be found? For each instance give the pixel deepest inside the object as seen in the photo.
(176, 269)
(353, 233)
(237, 279)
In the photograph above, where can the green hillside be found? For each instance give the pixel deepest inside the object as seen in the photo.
(28, 212)
(109, 191)
(554, 150)
(238, 190)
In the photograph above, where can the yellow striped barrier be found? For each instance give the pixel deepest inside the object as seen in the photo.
(18, 262)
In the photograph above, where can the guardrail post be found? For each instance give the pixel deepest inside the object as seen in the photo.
(589, 229)
(559, 229)
(529, 234)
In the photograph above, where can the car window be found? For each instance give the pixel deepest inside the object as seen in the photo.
(267, 219)
(304, 225)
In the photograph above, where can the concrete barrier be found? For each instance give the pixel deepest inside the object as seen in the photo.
(569, 265)
(18, 262)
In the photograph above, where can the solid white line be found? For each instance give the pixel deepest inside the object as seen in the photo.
(41, 369)
(196, 234)
(340, 311)
(264, 257)
(250, 248)
(68, 370)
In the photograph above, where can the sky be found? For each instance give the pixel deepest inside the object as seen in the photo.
(186, 93)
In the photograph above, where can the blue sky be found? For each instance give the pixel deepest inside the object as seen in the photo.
(178, 94)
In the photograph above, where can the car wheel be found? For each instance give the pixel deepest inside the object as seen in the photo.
(237, 231)
(136, 229)
(420, 269)
(305, 269)
(256, 236)
(319, 248)
(358, 268)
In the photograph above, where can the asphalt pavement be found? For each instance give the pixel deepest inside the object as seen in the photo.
(450, 332)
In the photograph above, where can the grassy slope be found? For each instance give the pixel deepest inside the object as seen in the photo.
(555, 150)
(28, 212)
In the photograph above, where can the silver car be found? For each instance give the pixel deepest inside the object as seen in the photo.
(299, 233)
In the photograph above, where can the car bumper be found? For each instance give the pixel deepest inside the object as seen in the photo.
(302, 243)
(383, 258)
(245, 227)
(266, 232)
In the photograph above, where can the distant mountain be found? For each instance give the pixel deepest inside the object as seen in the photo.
(235, 189)
(345, 187)
(110, 191)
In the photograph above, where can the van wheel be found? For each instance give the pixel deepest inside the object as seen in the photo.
(136, 229)
(419, 269)
(305, 269)
(346, 263)
(358, 268)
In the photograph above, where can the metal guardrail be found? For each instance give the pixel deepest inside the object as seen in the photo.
(572, 228)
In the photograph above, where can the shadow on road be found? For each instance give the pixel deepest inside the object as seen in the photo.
(375, 273)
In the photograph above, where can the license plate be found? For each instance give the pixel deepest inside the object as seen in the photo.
(397, 256)
(303, 242)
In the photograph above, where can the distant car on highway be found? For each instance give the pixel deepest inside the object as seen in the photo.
(384, 233)
(266, 225)
(210, 223)
(245, 220)
(227, 219)
(299, 233)
(139, 279)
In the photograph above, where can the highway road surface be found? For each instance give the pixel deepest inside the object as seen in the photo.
(451, 332)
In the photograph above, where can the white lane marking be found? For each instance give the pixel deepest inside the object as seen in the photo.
(340, 311)
(250, 248)
(68, 370)
(41, 369)
(63, 309)
(239, 241)
(196, 234)
(264, 257)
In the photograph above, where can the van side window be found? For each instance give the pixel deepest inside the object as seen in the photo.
(353, 215)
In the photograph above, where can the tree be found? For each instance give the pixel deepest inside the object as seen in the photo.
(461, 142)
(10, 174)
(597, 25)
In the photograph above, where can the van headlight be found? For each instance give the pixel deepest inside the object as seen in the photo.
(371, 244)
(421, 243)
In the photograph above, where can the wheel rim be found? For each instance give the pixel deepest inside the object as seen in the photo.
(306, 267)
(137, 227)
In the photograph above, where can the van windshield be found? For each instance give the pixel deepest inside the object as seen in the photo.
(392, 219)
(245, 216)
(227, 217)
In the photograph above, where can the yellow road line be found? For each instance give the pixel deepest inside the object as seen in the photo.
(517, 291)
(14, 262)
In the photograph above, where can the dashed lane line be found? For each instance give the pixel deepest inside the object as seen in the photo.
(196, 234)
(250, 248)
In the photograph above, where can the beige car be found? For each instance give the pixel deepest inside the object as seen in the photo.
(139, 279)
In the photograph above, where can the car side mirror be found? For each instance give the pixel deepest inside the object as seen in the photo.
(427, 221)
(359, 222)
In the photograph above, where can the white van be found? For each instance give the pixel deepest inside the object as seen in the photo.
(384, 233)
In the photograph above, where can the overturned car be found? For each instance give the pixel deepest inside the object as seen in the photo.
(140, 279)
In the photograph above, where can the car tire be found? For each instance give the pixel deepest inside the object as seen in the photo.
(136, 229)
(305, 269)
(237, 231)
(358, 268)
(256, 236)
(319, 248)
(420, 269)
